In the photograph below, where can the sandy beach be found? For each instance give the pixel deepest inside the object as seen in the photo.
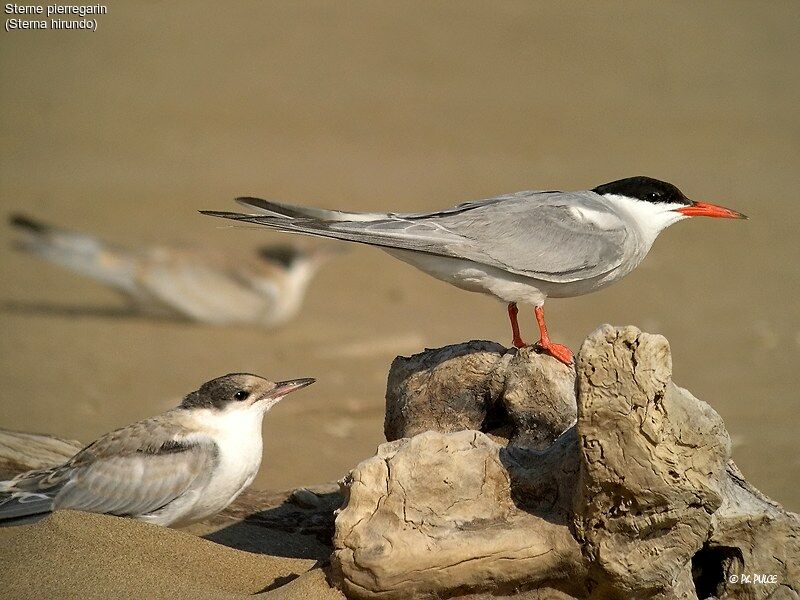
(167, 109)
(120, 557)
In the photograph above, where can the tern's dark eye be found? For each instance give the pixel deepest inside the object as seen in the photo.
(654, 195)
(241, 395)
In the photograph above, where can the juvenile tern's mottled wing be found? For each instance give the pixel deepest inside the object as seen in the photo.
(132, 471)
(136, 470)
(551, 236)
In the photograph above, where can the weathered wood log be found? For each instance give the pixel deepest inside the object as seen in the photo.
(516, 394)
(639, 499)
(439, 513)
(655, 473)
(27, 451)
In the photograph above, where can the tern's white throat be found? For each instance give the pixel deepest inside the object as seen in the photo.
(651, 218)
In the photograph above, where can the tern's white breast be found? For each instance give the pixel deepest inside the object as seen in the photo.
(237, 435)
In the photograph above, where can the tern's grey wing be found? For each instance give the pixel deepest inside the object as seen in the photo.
(135, 470)
(285, 210)
(293, 211)
(551, 236)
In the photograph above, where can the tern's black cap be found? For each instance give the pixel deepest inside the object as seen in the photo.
(646, 189)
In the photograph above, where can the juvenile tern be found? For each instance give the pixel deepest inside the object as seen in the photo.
(521, 248)
(178, 467)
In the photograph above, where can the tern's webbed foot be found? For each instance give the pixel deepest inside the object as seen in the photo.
(557, 351)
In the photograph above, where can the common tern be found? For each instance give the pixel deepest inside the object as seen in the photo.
(176, 468)
(521, 248)
(266, 288)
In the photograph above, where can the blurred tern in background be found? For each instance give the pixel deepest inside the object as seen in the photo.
(265, 289)
(182, 466)
(520, 248)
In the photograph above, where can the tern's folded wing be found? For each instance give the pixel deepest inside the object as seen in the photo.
(551, 236)
(130, 476)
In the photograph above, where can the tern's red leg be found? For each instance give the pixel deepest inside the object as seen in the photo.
(512, 316)
(557, 351)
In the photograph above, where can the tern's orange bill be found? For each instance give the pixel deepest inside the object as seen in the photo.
(703, 209)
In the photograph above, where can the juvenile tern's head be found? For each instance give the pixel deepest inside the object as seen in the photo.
(241, 391)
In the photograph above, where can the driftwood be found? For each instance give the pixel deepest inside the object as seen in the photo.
(509, 474)
(25, 451)
(460, 387)
(638, 499)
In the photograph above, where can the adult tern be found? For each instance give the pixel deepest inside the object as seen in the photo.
(521, 248)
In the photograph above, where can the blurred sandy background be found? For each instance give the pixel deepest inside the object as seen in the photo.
(174, 107)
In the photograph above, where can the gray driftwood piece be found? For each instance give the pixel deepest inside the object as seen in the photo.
(25, 451)
(638, 499)
(479, 385)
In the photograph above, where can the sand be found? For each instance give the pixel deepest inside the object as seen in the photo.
(311, 584)
(84, 555)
